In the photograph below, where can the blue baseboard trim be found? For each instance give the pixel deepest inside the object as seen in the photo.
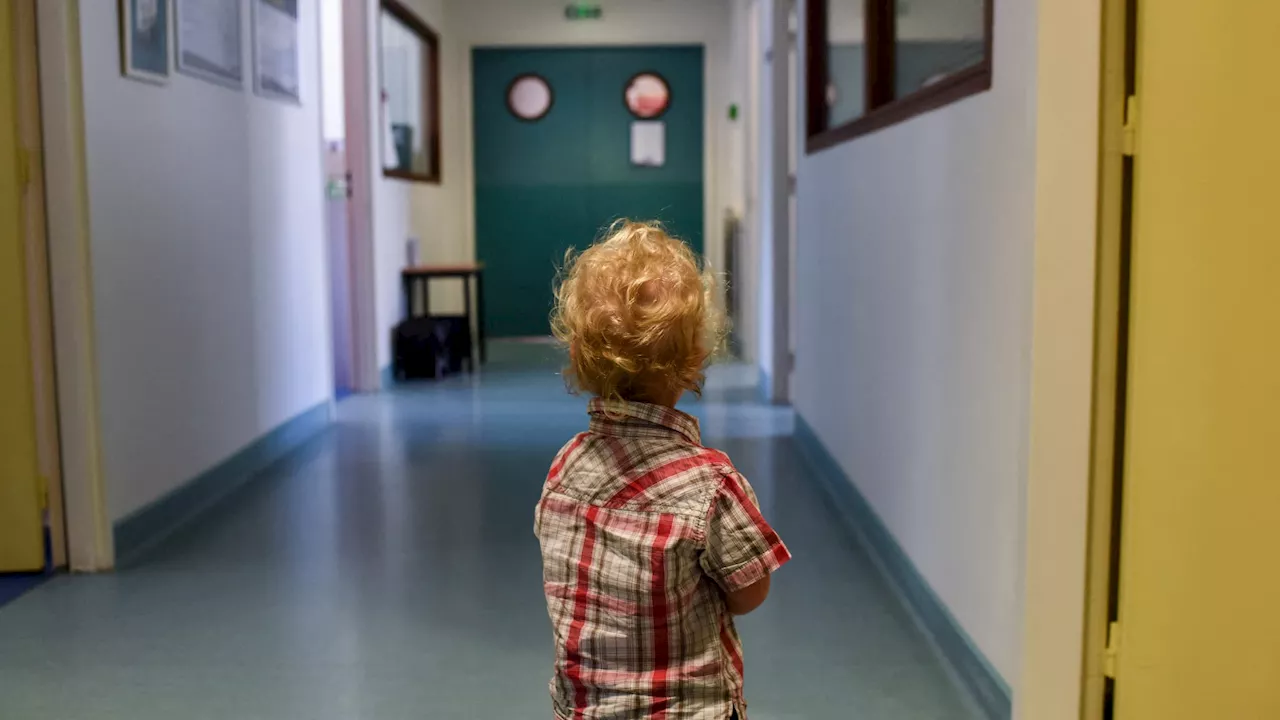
(979, 677)
(764, 386)
(146, 527)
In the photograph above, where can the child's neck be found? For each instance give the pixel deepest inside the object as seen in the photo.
(669, 400)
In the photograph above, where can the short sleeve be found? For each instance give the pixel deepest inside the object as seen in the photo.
(741, 547)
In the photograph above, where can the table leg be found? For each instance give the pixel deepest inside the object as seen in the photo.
(466, 314)
(484, 348)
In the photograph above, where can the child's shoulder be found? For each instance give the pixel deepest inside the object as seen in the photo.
(565, 453)
(719, 459)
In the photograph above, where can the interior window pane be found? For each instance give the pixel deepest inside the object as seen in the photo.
(404, 95)
(935, 39)
(846, 61)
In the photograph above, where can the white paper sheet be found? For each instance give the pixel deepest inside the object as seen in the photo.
(649, 144)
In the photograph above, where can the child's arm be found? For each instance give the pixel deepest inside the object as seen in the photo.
(749, 598)
(742, 549)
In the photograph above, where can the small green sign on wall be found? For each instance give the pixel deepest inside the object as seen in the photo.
(583, 11)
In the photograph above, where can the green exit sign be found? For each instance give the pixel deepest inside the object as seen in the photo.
(582, 11)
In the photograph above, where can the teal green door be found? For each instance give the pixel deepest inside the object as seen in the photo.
(545, 186)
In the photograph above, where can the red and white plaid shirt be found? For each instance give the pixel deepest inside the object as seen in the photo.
(643, 531)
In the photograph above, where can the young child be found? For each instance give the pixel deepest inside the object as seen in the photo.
(651, 543)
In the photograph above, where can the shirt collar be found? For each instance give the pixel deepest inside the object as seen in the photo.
(615, 417)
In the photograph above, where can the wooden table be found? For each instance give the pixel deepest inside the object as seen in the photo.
(420, 277)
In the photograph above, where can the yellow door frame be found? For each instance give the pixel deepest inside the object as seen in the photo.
(40, 310)
(1110, 343)
(88, 523)
(1057, 499)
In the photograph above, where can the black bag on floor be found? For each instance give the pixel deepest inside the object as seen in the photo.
(431, 347)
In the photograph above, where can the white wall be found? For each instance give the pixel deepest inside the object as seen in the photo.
(774, 69)
(746, 53)
(764, 235)
(208, 251)
(529, 23)
(331, 70)
(736, 90)
(433, 213)
(915, 257)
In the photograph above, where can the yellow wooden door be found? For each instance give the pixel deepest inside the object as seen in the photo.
(21, 517)
(1199, 623)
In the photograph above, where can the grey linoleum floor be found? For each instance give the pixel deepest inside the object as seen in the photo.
(388, 570)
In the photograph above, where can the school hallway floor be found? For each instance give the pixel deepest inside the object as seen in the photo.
(388, 570)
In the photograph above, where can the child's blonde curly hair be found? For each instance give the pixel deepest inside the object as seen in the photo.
(639, 314)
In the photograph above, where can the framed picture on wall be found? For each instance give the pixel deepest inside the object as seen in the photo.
(275, 50)
(209, 44)
(144, 40)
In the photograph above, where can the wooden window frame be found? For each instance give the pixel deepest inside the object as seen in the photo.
(431, 97)
(883, 109)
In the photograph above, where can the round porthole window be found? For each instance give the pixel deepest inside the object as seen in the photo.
(647, 95)
(529, 97)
